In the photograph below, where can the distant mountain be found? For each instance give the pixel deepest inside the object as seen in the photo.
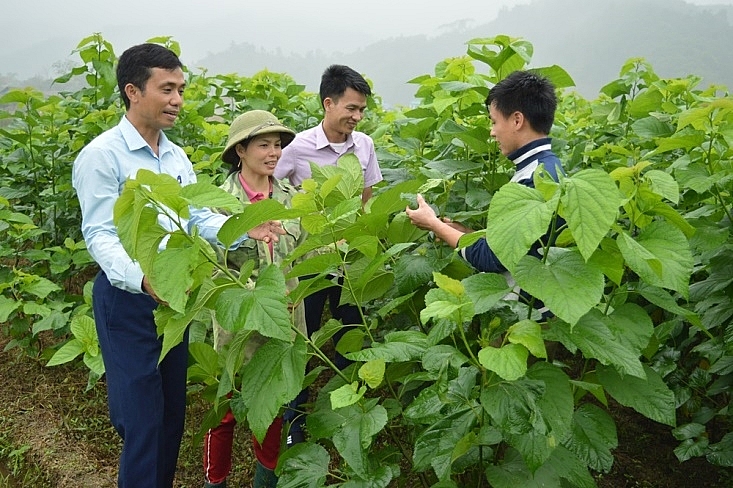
(591, 40)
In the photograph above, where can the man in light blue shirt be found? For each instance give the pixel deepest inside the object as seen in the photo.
(146, 400)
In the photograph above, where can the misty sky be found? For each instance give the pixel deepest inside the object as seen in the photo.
(210, 26)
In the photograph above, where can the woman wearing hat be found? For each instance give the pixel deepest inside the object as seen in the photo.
(254, 146)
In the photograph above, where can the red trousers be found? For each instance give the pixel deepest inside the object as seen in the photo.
(218, 448)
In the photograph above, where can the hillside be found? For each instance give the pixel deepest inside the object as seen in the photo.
(591, 40)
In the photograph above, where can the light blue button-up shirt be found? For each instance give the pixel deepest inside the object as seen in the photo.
(99, 174)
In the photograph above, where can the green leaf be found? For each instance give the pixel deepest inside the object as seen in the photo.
(528, 333)
(272, 378)
(253, 215)
(205, 365)
(66, 353)
(565, 283)
(721, 453)
(402, 230)
(398, 346)
(692, 448)
(449, 167)
(508, 361)
(438, 357)
(440, 304)
(351, 428)
(513, 472)
(205, 195)
(83, 328)
(372, 372)
(304, 465)
(631, 325)
(347, 178)
(448, 284)
(593, 335)
(663, 184)
(391, 200)
(344, 210)
(413, 271)
(557, 75)
(661, 256)
(263, 308)
(485, 290)
(650, 397)
(518, 217)
(435, 445)
(535, 447)
(137, 225)
(7, 306)
(513, 406)
(662, 299)
(593, 437)
(651, 128)
(55, 320)
(40, 287)
(347, 395)
(95, 365)
(556, 404)
(426, 407)
(172, 275)
(172, 325)
(590, 206)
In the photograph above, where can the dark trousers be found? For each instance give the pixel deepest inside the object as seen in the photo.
(147, 401)
(314, 305)
(347, 314)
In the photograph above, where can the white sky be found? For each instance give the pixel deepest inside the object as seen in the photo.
(202, 26)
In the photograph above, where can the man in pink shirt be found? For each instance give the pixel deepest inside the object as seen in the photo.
(344, 95)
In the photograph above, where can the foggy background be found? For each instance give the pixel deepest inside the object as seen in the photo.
(390, 41)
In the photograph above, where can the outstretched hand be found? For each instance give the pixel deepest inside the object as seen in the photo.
(269, 231)
(423, 216)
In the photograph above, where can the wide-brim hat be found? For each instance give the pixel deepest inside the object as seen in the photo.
(250, 124)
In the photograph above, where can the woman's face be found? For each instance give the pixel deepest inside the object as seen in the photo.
(261, 155)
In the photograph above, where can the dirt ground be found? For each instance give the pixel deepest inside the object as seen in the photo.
(65, 432)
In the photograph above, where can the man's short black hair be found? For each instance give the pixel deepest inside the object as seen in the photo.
(337, 78)
(136, 64)
(529, 93)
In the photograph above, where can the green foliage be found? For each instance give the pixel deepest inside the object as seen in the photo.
(455, 381)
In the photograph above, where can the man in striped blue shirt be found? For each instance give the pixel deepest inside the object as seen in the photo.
(522, 110)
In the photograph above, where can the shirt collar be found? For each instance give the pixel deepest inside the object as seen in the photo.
(253, 196)
(528, 150)
(135, 141)
(322, 140)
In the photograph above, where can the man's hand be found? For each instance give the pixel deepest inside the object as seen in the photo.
(149, 290)
(269, 231)
(424, 216)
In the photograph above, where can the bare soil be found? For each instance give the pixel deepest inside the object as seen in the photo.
(65, 433)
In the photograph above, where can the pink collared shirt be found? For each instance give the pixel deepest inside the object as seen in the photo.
(312, 145)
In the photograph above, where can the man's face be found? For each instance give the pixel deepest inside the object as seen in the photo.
(342, 114)
(157, 104)
(504, 130)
